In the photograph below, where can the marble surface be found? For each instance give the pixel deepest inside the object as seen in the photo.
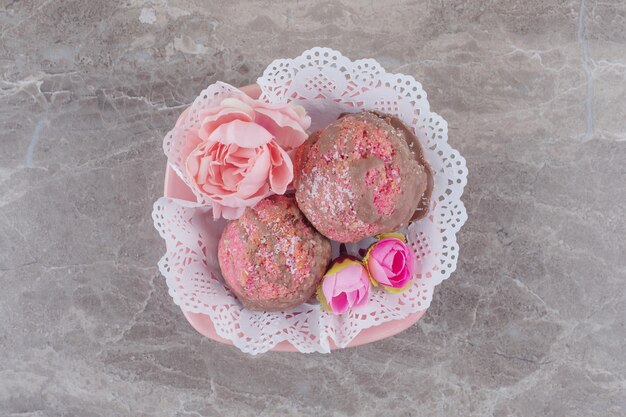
(531, 323)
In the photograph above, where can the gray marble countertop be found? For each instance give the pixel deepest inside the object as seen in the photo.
(530, 324)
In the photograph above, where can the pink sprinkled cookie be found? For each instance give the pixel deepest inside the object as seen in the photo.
(271, 257)
(362, 175)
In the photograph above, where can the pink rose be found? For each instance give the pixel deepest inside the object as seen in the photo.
(242, 154)
(390, 263)
(344, 286)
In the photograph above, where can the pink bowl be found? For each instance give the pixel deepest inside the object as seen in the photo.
(176, 188)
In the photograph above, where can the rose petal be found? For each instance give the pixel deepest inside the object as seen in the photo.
(287, 131)
(328, 286)
(214, 190)
(300, 111)
(389, 256)
(388, 271)
(241, 156)
(190, 139)
(215, 175)
(263, 192)
(219, 151)
(231, 177)
(362, 296)
(385, 260)
(339, 304)
(233, 200)
(229, 213)
(256, 176)
(393, 290)
(401, 279)
(398, 263)
(193, 165)
(377, 272)
(349, 279)
(281, 171)
(294, 111)
(203, 170)
(365, 288)
(351, 297)
(210, 122)
(238, 104)
(382, 248)
(244, 134)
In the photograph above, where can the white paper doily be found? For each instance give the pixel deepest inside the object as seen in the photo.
(326, 83)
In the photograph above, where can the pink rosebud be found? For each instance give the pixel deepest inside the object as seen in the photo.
(344, 286)
(241, 152)
(390, 263)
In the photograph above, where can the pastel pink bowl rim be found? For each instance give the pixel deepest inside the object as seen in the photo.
(174, 187)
